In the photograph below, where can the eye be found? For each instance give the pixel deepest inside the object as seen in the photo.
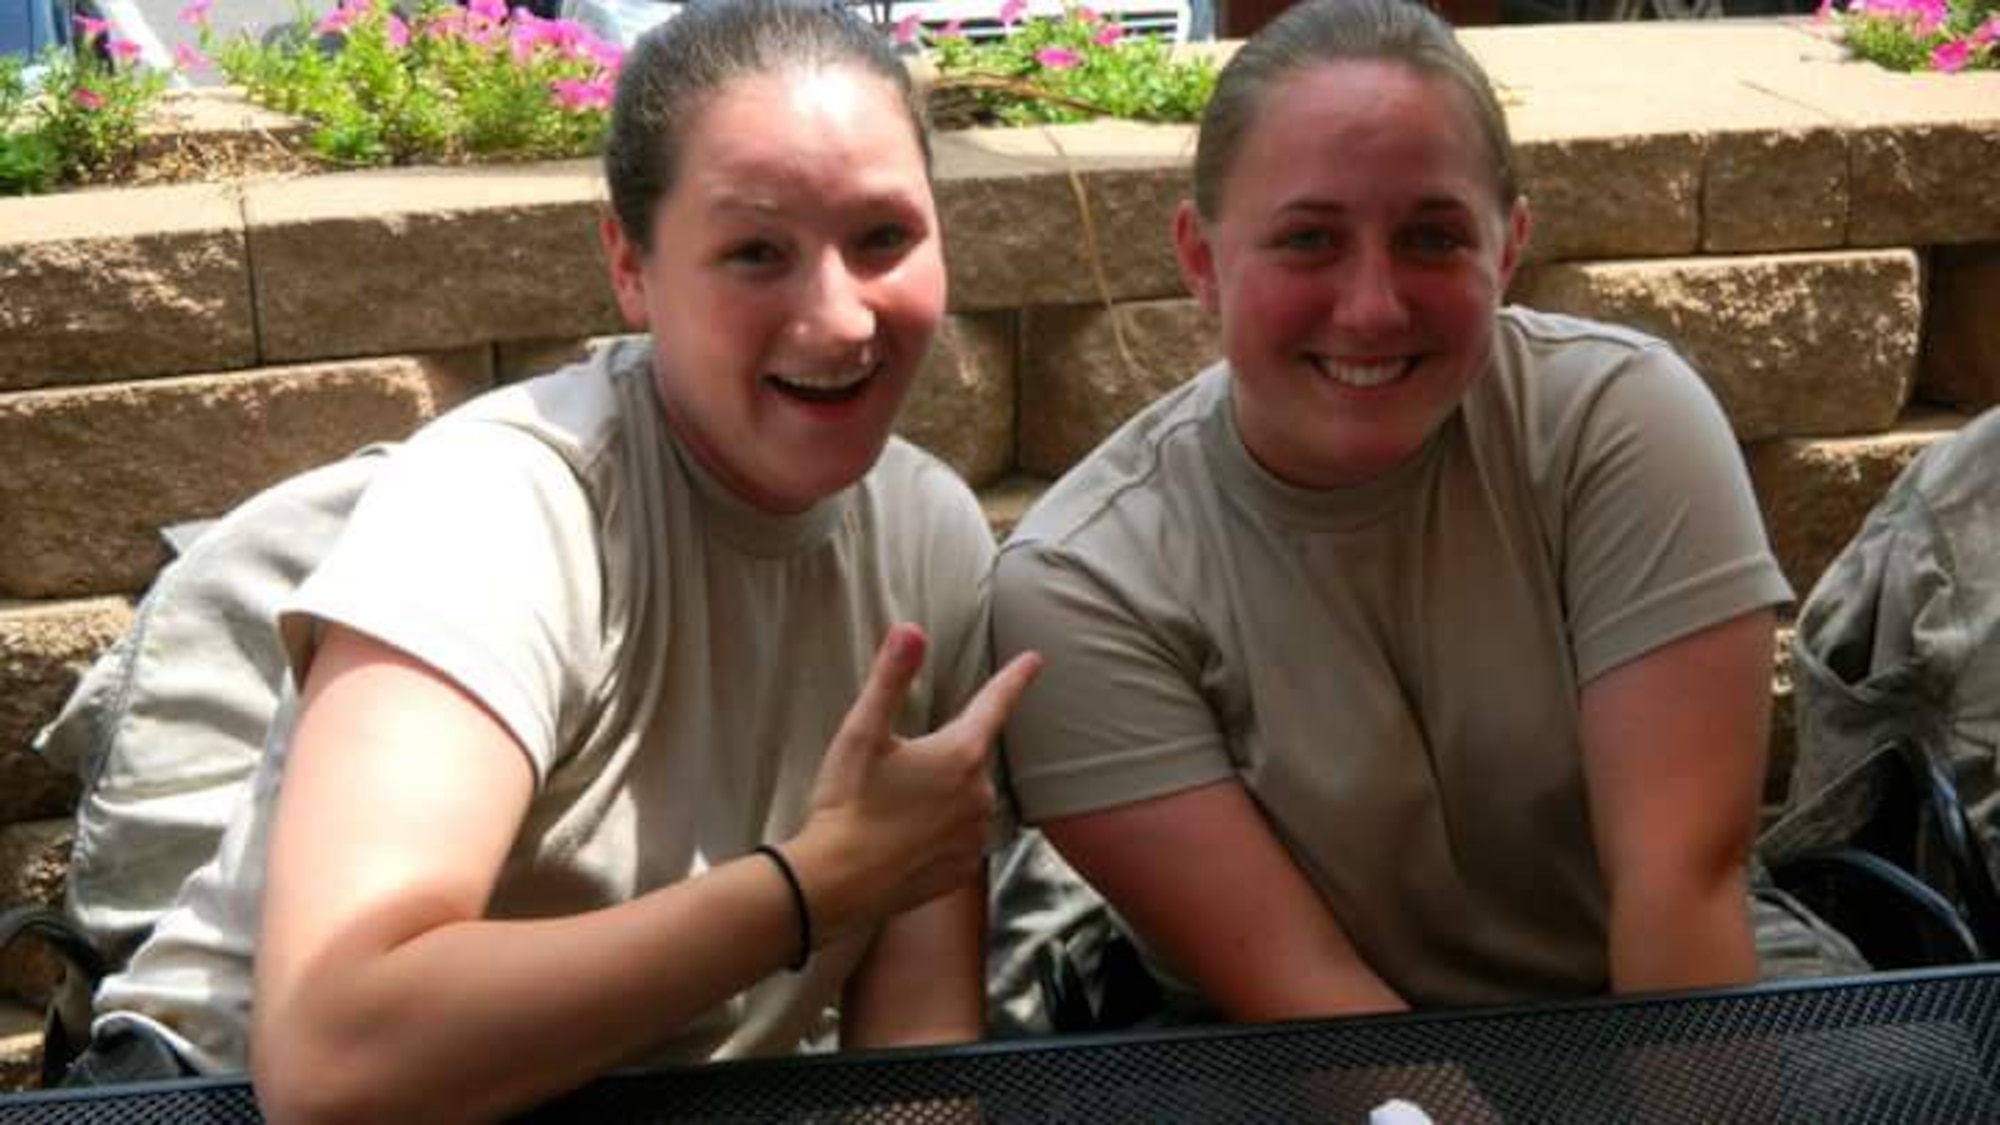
(1434, 241)
(756, 253)
(1307, 240)
(889, 236)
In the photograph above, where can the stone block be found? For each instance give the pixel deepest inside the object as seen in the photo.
(1007, 501)
(44, 647)
(962, 405)
(34, 867)
(1085, 370)
(106, 286)
(1815, 493)
(1794, 346)
(515, 360)
(1961, 361)
(95, 473)
(1070, 214)
(1774, 189)
(1615, 196)
(1922, 149)
(422, 259)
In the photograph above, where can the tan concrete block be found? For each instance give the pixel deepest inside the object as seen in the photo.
(1007, 501)
(418, 259)
(1816, 493)
(1961, 361)
(1085, 370)
(1793, 345)
(962, 405)
(1923, 149)
(94, 474)
(34, 867)
(1781, 188)
(1613, 196)
(1669, 57)
(44, 647)
(1017, 233)
(102, 286)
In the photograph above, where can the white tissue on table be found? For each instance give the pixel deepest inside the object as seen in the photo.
(1396, 1111)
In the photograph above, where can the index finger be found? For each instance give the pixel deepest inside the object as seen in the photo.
(988, 711)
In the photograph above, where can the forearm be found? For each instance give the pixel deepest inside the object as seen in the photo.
(923, 981)
(475, 1019)
(1691, 935)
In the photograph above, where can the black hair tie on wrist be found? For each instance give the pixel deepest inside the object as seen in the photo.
(798, 904)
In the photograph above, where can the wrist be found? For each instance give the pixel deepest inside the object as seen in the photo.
(838, 888)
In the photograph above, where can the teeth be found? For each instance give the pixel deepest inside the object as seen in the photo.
(827, 381)
(1363, 375)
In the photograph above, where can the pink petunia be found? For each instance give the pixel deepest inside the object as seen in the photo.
(1950, 58)
(1057, 58)
(187, 58)
(1107, 35)
(196, 13)
(1989, 32)
(577, 95)
(905, 31)
(88, 98)
(953, 30)
(494, 10)
(124, 50)
(1086, 14)
(398, 32)
(1012, 11)
(337, 21)
(91, 28)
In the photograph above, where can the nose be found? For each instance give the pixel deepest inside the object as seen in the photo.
(837, 317)
(1371, 304)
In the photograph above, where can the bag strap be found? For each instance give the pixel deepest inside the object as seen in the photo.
(67, 1031)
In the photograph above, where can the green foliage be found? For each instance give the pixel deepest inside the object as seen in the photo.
(479, 83)
(1072, 68)
(1920, 35)
(79, 122)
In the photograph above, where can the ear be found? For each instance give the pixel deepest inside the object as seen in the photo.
(1520, 225)
(628, 274)
(1197, 257)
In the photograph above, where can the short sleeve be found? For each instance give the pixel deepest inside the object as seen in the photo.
(1662, 535)
(1118, 714)
(475, 551)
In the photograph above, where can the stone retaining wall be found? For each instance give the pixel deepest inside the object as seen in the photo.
(1820, 238)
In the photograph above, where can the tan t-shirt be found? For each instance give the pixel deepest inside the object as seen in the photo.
(673, 662)
(1392, 671)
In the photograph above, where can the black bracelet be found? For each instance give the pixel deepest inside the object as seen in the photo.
(798, 904)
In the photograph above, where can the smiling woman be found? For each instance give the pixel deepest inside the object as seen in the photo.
(1383, 630)
(616, 738)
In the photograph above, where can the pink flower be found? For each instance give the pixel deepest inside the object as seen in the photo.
(398, 32)
(196, 13)
(577, 95)
(91, 28)
(493, 10)
(88, 98)
(953, 30)
(1012, 11)
(1989, 32)
(1950, 58)
(607, 55)
(124, 50)
(1085, 14)
(906, 29)
(187, 58)
(1057, 58)
(337, 21)
(1107, 35)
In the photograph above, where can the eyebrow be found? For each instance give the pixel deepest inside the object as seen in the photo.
(1427, 204)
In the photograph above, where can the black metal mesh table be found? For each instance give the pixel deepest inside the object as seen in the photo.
(1910, 1047)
